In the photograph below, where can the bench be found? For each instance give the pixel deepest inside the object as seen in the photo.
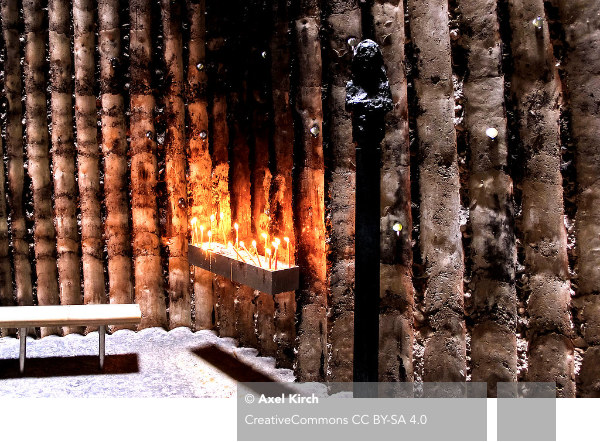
(101, 315)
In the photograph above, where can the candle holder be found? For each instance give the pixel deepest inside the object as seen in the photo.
(225, 261)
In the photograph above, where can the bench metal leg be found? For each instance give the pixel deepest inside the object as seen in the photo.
(23, 348)
(102, 334)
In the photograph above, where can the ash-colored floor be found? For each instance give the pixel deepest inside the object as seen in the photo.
(149, 363)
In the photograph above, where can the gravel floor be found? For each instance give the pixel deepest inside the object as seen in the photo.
(149, 363)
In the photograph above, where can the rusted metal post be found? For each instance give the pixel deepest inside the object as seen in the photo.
(369, 98)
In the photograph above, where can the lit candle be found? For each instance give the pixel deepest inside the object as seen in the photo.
(265, 236)
(222, 227)
(236, 227)
(202, 234)
(287, 245)
(209, 238)
(268, 253)
(276, 247)
(397, 228)
(194, 231)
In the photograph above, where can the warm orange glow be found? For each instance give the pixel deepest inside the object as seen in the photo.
(193, 222)
(268, 253)
(229, 245)
(266, 237)
(271, 250)
(276, 247)
(236, 227)
(248, 252)
(287, 245)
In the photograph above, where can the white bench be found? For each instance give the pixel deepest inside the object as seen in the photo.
(101, 315)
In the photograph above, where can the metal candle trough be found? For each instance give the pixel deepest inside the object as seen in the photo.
(223, 262)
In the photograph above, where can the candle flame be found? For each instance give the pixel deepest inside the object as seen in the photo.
(241, 243)
(275, 245)
(212, 217)
(236, 226)
(264, 235)
(209, 233)
(277, 241)
(286, 239)
(194, 221)
(202, 228)
(268, 251)
(254, 243)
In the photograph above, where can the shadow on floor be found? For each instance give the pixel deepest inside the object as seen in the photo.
(230, 365)
(69, 366)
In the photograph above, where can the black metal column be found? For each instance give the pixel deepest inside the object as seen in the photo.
(368, 97)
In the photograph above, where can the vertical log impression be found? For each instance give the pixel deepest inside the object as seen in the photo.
(441, 246)
(343, 24)
(200, 163)
(282, 220)
(536, 91)
(312, 321)
(241, 211)
(38, 161)
(177, 224)
(63, 156)
(581, 22)
(148, 273)
(493, 249)
(244, 307)
(397, 303)
(224, 288)
(14, 150)
(6, 293)
(114, 149)
(262, 177)
(88, 155)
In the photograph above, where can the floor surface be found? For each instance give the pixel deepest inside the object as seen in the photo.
(149, 363)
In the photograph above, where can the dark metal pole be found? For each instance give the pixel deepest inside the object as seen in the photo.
(368, 97)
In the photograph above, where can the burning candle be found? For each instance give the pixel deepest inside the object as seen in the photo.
(276, 247)
(202, 234)
(222, 227)
(209, 238)
(194, 233)
(265, 236)
(268, 253)
(397, 228)
(236, 227)
(287, 246)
